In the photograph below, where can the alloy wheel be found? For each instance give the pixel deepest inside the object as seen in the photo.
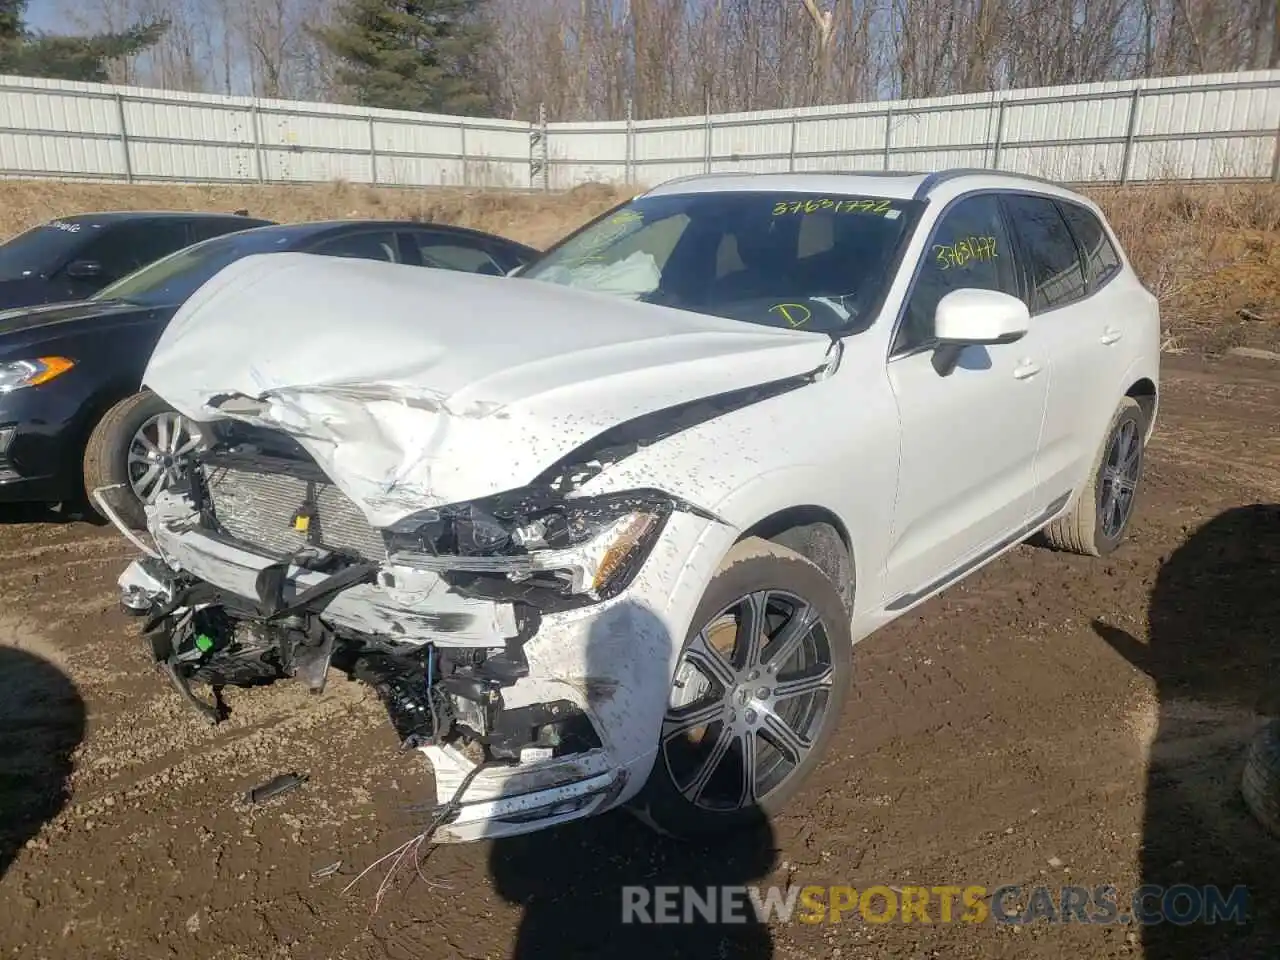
(1119, 479)
(749, 697)
(159, 452)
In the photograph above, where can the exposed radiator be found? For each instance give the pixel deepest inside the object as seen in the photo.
(259, 508)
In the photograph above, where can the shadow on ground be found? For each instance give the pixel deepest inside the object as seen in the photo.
(42, 720)
(56, 513)
(1214, 658)
(569, 882)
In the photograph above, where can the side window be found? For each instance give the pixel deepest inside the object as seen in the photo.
(969, 248)
(1055, 275)
(131, 246)
(207, 229)
(1100, 254)
(450, 253)
(369, 245)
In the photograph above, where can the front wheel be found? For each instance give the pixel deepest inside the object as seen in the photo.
(756, 695)
(142, 444)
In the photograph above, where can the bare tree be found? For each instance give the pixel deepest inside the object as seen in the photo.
(595, 59)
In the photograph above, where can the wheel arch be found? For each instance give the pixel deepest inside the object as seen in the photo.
(99, 402)
(1144, 391)
(782, 526)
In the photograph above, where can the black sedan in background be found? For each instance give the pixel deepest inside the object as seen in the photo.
(74, 257)
(72, 414)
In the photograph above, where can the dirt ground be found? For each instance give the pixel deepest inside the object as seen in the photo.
(1054, 720)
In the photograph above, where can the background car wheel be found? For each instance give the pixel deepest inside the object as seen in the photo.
(142, 443)
(1097, 523)
(756, 696)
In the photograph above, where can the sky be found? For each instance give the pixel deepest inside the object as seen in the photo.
(42, 15)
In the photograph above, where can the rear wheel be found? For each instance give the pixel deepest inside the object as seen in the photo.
(142, 444)
(1097, 523)
(756, 695)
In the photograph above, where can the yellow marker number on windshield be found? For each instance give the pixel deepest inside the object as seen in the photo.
(879, 208)
(795, 314)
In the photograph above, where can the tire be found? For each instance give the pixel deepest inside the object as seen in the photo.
(1260, 784)
(106, 455)
(1087, 530)
(760, 568)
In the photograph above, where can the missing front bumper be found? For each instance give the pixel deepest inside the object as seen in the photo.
(508, 800)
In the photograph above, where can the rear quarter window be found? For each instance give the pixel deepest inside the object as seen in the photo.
(1101, 257)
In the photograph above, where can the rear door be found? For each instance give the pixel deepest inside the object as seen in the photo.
(1073, 324)
(970, 438)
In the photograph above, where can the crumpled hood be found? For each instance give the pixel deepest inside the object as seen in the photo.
(415, 387)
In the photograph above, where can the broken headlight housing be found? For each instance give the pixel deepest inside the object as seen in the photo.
(583, 549)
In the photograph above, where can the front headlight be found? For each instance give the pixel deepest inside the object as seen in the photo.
(17, 374)
(589, 549)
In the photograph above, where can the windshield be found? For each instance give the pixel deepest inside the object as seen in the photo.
(41, 249)
(172, 279)
(800, 260)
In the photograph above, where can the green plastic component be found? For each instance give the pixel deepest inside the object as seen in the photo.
(204, 642)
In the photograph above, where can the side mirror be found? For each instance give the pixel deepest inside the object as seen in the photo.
(972, 317)
(84, 269)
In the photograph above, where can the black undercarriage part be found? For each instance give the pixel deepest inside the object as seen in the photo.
(431, 694)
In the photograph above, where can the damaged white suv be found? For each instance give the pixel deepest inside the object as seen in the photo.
(605, 532)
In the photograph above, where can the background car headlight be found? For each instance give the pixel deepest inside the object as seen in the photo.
(17, 374)
(589, 548)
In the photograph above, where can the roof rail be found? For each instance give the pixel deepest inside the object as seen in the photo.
(942, 176)
(785, 173)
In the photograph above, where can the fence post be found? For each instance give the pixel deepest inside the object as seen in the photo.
(1275, 160)
(373, 154)
(257, 144)
(631, 143)
(124, 139)
(1128, 137)
(995, 154)
(791, 150)
(546, 155)
(462, 133)
(706, 163)
(888, 136)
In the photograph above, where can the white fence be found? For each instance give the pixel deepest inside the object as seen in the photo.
(1215, 127)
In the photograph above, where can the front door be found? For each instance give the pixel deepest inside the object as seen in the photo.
(970, 438)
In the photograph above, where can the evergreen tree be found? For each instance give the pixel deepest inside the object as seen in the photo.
(411, 54)
(58, 57)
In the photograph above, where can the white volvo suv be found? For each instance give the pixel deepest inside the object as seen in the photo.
(605, 532)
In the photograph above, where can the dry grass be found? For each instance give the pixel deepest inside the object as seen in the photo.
(1211, 253)
(1212, 256)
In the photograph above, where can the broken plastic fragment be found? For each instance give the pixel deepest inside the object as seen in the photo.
(275, 787)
